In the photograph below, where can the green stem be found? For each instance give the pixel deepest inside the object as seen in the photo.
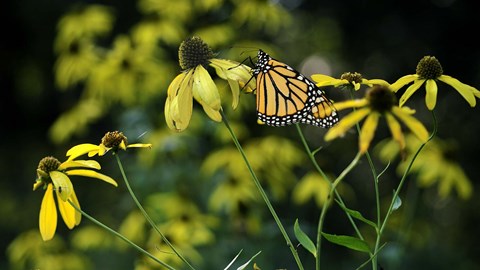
(327, 203)
(120, 236)
(147, 217)
(262, 192)
(402, 181)
(311, 156)
(373, 256)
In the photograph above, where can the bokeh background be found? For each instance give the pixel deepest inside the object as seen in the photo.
(72, 70)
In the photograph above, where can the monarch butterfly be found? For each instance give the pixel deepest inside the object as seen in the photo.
(285, 96)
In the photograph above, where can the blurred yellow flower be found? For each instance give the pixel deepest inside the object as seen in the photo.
(429, 71)
(129, 73)
(312, 185)
(84, 21)
(111, 141)
(268, 15)
(435, 164)
(54, 176)
(379, 101)
(195, 82)
(348, 79)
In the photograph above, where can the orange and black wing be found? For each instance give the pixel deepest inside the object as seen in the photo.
(285, 96)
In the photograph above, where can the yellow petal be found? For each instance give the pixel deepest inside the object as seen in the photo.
(324, 80)
(78, 215)
(356, 85)
(93, 174)
(140, 145)
(376, 82)
(467, 91)
(80, 164)
(412, 123)
(410, 90)
(48, 215)
(346, 123)
(204, 89)
(368, 130)
(102, 150)
(403, 81)
(182, 106)
(235, 93)
(168, 115)
(356, 103)
(431, 97)
(213, 114)
(66, 211)
(81, 149)
(122, 145)
(174, 86)
(396, 130)
(62, 184)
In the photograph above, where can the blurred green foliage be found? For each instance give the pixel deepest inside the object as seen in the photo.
(76, 71)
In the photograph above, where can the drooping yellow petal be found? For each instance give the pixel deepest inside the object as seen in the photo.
(81, 149)
(174, 86)
(410, 90)
(204, 89)
(182, 106)
(396, 130)
(66, 211)
(346, 123)
(431, 97)
(467, 91)
(412, 123)
(234, 86)
(403, 81)
(78, 215)
(168, 115)
(48, 215)
(235, 73)
(93, 174)
(356, 103)
(213, 114)
(62, 184)
(368, 130)
(80, 164)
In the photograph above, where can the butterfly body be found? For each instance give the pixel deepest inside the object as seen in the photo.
(285, 96)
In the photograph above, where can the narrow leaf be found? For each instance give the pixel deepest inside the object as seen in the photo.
(357, 215)
(397, 203)
(245, 264)
(304, 240)
(347, 241)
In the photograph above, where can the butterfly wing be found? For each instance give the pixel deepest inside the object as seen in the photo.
(285, 96)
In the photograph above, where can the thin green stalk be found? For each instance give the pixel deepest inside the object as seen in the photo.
(262, 192)
(147, 217)
(311, 156)
(402, 181)
(121, 236)
(325, 206)
(373, 256)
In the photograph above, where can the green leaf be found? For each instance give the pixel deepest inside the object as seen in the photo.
(347, 241)
(304, 240)
(357, 215)
(397, 203)
(242, 267)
